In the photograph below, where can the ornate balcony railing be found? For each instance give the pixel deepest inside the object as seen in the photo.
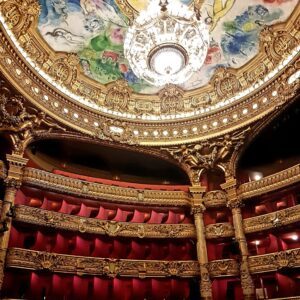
(109, 193)
(272, 220)
(57, 220)
(270, 183)
(60, 263)
(275, 261)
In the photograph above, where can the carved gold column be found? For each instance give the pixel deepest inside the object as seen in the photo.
(235, 205)
(197, 210)
(12, 183)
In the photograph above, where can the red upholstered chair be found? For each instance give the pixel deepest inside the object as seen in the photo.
(138, 217)
(61, 244)
(122, 289)
(101, 288)
(172, 218)
(102, 213)
(137, 250)
(141, 288)
(84, 211)
(80, 288)
(82, 246)
(156, 218)
(102, 248)
(161, 289)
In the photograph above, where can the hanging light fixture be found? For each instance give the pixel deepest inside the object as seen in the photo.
(167, 43)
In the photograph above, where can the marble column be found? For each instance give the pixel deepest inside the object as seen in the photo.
(235, 205)
(197, 210)
(12, 184)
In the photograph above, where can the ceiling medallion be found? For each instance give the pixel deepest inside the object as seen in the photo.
(167, 43)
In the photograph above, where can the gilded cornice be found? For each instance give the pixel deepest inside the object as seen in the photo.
(214, 231)
(223, 268)
(261, 100)
(270, 183)
(40, 217)
(76, 187)
(275, 261)
(272, 220)
(80, 265)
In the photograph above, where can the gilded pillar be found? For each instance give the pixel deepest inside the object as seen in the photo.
(197, 210)
(12, 183)
(235, 205)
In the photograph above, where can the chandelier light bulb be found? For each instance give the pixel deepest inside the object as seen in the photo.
(167, 43)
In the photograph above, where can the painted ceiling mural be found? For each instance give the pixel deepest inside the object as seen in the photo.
(95, 29)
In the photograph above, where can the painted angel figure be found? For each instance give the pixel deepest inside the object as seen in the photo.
(104, 10)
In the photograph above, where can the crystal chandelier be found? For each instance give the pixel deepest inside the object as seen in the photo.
(167, 43)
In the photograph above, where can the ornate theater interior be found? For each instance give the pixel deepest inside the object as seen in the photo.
(149, 150)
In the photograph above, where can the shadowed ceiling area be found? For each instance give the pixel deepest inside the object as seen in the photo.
(277, 147)
(104, 162)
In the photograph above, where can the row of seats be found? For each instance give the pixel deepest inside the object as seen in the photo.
(86, 209)
(103, 246)
(267, 204)
(36, 286)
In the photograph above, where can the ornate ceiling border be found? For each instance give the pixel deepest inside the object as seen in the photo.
(261, 101)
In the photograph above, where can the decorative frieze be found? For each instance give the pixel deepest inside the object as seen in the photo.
(272, 220)
(109, 193)
(62, 221)
(59, 263)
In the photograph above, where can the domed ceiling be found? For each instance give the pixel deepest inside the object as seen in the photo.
(66, 56)
(95, 29)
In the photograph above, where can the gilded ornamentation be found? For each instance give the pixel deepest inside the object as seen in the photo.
(219, 230)
(19, 124)
(36, 216)
(207, 155)
(62, 184)
(64, 68)
(215, 198)
(118, 95)
(116, 131)
(277, 44)
(275, 219)
(20, 14)
(246, 280)
(225, 83)
(224, 267)
(270, 183)
(275, 261)
(171, 97)
(59, 263)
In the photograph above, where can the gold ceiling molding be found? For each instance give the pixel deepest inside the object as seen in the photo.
(275, 40)
(41, 217)
(272, 220)
(81, 265)
(107, 193)
(269, 183)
